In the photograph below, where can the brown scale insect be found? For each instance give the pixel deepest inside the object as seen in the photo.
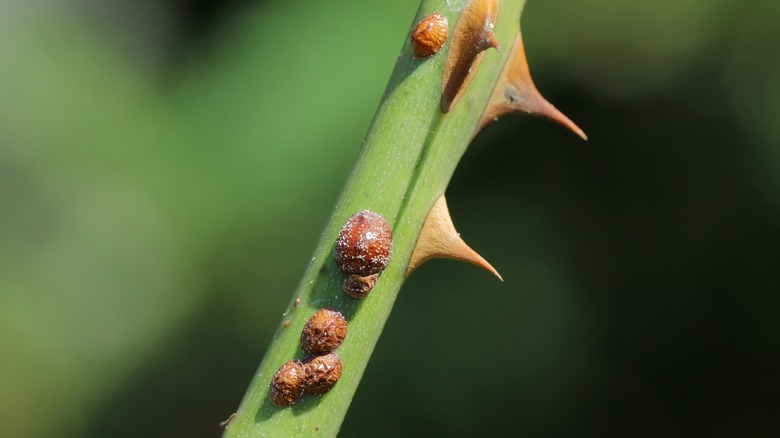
(363, 249)
(429, 35)
(321, 373)
(324, 332)
(286, 385)
(358, 287)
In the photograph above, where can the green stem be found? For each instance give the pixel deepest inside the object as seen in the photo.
(408, 157)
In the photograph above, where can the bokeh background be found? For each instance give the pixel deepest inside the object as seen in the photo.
(166, 168)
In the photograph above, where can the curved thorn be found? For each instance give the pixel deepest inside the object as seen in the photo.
(516, 92)
(438, 239)
(473, 35)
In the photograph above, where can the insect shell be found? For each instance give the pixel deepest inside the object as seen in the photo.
(321, 373)
(429, 35)
(286, 385)
(363, 248)
(324, 332)
(359, 287)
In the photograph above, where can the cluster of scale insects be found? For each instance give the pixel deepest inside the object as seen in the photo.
(364, 244)
(320, 371)
(362, 251)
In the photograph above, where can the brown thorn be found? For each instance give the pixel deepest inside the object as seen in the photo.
(225, 423)
(473, 35)
(516, 92)
(490, 41)
(438, 239)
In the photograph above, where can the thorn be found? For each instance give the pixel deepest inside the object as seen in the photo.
(516, 92)
(439, 239)
(225, 423)
(490, 41)
(473, 35)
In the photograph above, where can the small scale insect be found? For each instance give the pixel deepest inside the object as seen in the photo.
(286, 385)
(363, 249)
(321, 373)
(358, 287)
(324, 332)
(429, 35)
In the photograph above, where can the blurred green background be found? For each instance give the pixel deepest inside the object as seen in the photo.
(166, 168)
